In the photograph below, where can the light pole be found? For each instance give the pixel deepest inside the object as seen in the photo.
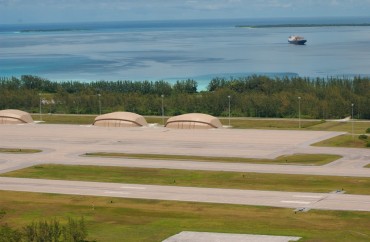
(299, 112)
(40, 100)
(76, 104)
(162, 96)
(99, 103)
(229, 109)
(353, 135)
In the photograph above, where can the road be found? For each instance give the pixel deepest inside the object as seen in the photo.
(64, 144)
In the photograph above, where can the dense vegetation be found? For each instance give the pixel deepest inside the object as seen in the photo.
(48, 231)
(254, 96)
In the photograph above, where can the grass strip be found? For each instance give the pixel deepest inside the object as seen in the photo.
(296, 159)
(131, 220)
(64, 119)
(345, 140)
(18, 151)
(288, 124)
(359, 127)
(215, 179)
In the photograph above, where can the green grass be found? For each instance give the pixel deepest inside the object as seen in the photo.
(65, 119)
(216, 179)
(296, 159)
(19, 151)
(343, 141)
(240, 123)
(116, 219)
(358, 127)
(155, 119)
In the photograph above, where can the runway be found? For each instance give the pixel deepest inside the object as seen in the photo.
(327, 201)
(64, 144)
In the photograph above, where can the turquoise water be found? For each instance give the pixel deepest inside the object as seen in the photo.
(173, 50)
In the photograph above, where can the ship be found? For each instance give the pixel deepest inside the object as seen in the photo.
(297, 40)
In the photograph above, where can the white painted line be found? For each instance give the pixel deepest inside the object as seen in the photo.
(306, 196)
(114, 192)
(299, 202)
(137, 188)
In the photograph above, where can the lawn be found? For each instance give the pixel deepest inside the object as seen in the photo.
(116, 219)
(296, 159)
(64, 118)
(343, 141)
(251, 123)
(18, 151)
(216, 179)
(358, 127)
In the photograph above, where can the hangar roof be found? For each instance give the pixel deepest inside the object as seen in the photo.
(200, 118)
(122, 116)
(16, 114)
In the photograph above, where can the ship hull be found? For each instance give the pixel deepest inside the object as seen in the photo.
(297, 42)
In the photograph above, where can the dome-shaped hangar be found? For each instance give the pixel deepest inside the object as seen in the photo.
(120, 119)
(14, 116)
(193, 121)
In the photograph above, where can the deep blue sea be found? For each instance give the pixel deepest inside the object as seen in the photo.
(177, 50)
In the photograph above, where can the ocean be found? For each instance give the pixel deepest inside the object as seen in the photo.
(182, 49)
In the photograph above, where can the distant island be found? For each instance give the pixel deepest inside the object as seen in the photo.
(302, 25)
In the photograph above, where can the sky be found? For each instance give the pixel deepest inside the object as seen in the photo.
(55, 11)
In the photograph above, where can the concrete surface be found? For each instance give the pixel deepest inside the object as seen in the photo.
(327, 201)
(64, 144)
(187, 236)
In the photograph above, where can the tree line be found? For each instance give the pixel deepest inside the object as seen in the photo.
(252, 96)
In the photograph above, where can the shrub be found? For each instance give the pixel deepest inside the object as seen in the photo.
(2, 213)
(53, 231)
(368, 130)
(8, 234)
(362, 136)
(73, 231)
